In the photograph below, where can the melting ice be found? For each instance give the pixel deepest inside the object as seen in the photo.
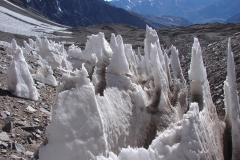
(113, 103)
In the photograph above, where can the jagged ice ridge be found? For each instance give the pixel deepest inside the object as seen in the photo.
(113, 103)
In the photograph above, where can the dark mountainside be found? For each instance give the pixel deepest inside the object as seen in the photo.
(195, 11)
(84, 13)
(234, 19)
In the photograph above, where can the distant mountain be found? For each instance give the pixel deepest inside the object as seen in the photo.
(85, 12)
(204, 11)
(180, 8)
(168, 21)
(234, 19)
(90, 12)
(217, 12)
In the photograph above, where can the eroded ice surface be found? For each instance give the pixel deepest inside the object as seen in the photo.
(117, 104)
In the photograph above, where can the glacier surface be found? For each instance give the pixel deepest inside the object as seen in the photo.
(113, 103)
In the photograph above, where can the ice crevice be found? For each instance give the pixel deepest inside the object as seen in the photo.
(113, 103)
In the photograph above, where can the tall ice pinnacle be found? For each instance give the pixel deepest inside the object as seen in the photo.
(232, 104)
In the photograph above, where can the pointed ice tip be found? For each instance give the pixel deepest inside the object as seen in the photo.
(19, 54)
(84, 70)
(173, 48)
(196, 40)
(113, 41)
(112, 35)
(101, 35)
(119, 39)
(149, 29)
(14, 44)
(197, 70)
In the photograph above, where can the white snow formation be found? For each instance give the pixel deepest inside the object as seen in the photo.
(180, 92)
(52, 54)
(77, 104)
(113, 103)
(20, 82)
(198, 135)
(232, 104)
(45, 75)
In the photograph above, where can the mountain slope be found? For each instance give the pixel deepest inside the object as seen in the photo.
(233, 19)
(217, 12)
(84, 13)
(180, 8)
(195, 11)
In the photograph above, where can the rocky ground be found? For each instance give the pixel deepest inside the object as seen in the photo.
(23, 121)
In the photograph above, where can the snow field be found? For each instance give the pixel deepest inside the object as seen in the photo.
(23, 25)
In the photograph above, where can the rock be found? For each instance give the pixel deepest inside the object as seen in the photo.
(8, 118)
(44, 111)
(15, 107)
(4, 137)
(36, 119)
(38, 136)
(4, 144)
(31, 128)
(29, 154)
(18, 147)
(4, 151)
(38, 131)
(3, 114)
(15, 157)
(22, 102)
(30, 140)
(10, 145)
(20, 123)
(13, 135)
(30, 109)
(7, 127)
(7, 113)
